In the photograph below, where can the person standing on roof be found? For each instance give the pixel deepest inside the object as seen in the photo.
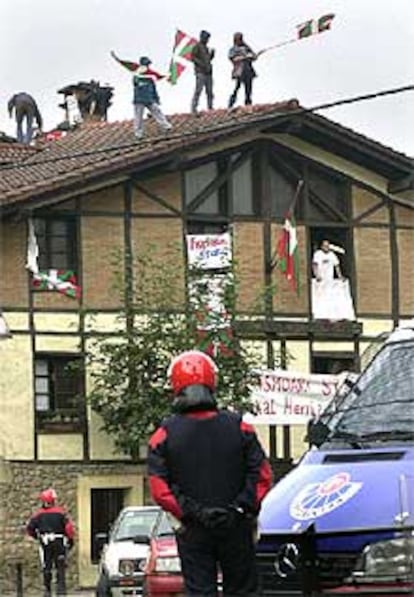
(207, 467)
(242, 57)
(202, 57)
(54, 530)
(145, 93)
(25, 108)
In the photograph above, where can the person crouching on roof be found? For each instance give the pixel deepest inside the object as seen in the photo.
(146, 96)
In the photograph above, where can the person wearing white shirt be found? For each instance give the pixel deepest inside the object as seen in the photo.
(325, 263)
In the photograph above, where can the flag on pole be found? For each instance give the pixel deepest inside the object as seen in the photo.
(128, 64)
(314, 26)
(64, 281)
(183, 46)
(287, 252)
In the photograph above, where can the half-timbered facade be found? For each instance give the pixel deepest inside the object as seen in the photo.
(96, 192)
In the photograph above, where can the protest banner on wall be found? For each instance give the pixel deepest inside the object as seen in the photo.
(289, 398)
(209, 251)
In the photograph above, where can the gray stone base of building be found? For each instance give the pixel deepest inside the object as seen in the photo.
(20, 484)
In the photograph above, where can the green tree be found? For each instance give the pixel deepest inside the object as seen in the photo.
(128, 371)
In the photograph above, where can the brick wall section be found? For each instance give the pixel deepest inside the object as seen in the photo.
(19, 489)
(404, 216)
(363, 200)
(161, 240)
(102, 250)
(167, 187)
(111, 199)
(51, 299)
(248, 255)
(13, 273)
(373, 267)
(285, 299)
(406, 270)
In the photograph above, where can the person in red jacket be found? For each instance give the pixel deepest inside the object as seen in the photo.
(207, 467)
(54, 530)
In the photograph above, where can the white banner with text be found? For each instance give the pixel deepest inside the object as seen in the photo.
(289, 398)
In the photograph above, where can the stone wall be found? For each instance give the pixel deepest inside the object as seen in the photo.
(20, 484)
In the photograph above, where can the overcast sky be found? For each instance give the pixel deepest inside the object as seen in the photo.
(47, 44)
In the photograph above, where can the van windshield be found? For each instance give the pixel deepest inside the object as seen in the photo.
(381, 403)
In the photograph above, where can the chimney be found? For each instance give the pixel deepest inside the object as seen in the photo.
(85, 102)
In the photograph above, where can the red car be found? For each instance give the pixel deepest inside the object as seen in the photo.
(163, 571)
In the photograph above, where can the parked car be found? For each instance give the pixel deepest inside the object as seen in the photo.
(140, 556)
(342, 522)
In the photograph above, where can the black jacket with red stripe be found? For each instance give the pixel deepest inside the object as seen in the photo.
(50, 520)
(207, 458)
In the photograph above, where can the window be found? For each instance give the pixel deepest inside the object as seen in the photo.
(282, 193)
(203, 227)
(59, 390)
(56, 239)
(329, 198)
(243, 188)
(332, 363)
(196, 180)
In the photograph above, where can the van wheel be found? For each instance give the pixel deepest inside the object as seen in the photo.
(102, 588)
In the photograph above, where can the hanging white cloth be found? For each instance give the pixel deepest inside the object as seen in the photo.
(332, 300)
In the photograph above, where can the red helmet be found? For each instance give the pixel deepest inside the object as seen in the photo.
(48, 497)
(190, 368)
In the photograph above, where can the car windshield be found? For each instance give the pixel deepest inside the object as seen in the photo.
(133, 523)
(380, 405)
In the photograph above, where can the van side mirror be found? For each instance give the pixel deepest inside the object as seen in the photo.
(317, 433)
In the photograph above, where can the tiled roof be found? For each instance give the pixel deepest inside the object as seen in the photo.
(96, 149)
(11, 153)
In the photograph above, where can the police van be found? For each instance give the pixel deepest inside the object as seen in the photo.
(342, 522)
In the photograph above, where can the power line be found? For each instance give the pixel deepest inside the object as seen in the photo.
(171, 137)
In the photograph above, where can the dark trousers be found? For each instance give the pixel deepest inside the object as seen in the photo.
(53, 555)
(205, 552)
(248, 87)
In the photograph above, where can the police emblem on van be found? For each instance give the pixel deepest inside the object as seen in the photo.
(318, 499)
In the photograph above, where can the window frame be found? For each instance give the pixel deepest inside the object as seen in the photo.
(57, 418)
(47, 253)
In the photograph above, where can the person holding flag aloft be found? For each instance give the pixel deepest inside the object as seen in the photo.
(145, 94)
(242, 57)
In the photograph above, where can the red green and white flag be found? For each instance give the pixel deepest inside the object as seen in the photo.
(288, 254)
(315, 26)
(64, 281)
(181, 58)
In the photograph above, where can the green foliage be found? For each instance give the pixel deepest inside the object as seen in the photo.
(128, 372)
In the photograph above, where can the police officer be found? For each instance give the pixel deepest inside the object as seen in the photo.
(207, 468)
(52, 526)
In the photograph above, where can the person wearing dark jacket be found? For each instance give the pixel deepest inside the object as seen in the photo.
(25, 108)
(207, 468)
(202, 57)
(242, 57)
(54, 530)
